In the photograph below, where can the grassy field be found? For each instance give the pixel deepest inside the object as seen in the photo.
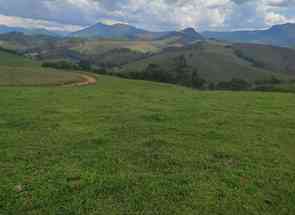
(13, 60)
(95, 47)
(135, 147)
(20, 71)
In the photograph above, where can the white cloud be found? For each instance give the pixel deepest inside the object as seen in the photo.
(34, 23)
(273, 18)
(157, 14)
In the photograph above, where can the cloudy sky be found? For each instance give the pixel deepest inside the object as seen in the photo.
(155, 15)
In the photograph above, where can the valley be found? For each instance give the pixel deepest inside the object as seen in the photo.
(126, 121)
(214, 64)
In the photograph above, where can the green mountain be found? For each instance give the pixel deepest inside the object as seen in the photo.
(216, 62)
(177, 57)
(278, 35)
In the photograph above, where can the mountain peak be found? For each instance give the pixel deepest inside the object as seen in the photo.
(189, 31)
(121, 25)
(126, 31)
(190, 34)
(285, 26)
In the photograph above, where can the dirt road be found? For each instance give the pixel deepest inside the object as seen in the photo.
(86, 80)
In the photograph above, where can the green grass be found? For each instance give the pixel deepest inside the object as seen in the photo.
(135, 147)
(8, 59)
(100, 46)
(20, 71)
(287, 87)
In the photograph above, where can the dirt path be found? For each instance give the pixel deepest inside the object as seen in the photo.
(86, 80)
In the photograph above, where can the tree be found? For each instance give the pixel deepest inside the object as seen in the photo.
(234, 84)
(197, 81)
(154, 72)
(212, 86)
(85, 65)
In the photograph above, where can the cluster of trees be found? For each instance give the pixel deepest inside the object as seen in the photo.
(118, 57)
(10, 51)
(180, 74)
(240, 84)
(67, 65)
(254, 62)
(269, 84)
(273, 80)
(234, 84)
(183, 74)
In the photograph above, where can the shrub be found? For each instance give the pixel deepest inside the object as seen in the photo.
(234, 84)
(197, 81)
(66, 65)
(154, 73)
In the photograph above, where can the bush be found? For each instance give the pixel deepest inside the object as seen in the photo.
(197, 81)
(211, 86)
(84, 65)
(254, 62)
(154, 73)
(234, 84)
(272, 81)
(10, 51)
(66, 65)
(101, 71)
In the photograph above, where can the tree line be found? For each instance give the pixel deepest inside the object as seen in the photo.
(181, 74)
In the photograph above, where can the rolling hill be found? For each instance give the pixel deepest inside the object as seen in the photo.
(268, 57)
(16, 70)
(277, 35)
(216, 62)
(94, 49)
(213, 61)
(22, 43)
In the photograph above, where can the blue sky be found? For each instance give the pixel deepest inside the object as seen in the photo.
(157, 15)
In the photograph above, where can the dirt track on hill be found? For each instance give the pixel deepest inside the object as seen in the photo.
(86, 80)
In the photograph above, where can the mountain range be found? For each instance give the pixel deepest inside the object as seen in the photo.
(124, 31)
(116, 31)
(31, 31)
(172, 57)
(278, 35)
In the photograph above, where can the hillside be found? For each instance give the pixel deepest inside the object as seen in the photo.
(135, 147)
(13, 60)
(268, 57)
(19, 71)
(21, 42)
(94, 50)
(217, 62)
(211, 61)
(277, 35)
